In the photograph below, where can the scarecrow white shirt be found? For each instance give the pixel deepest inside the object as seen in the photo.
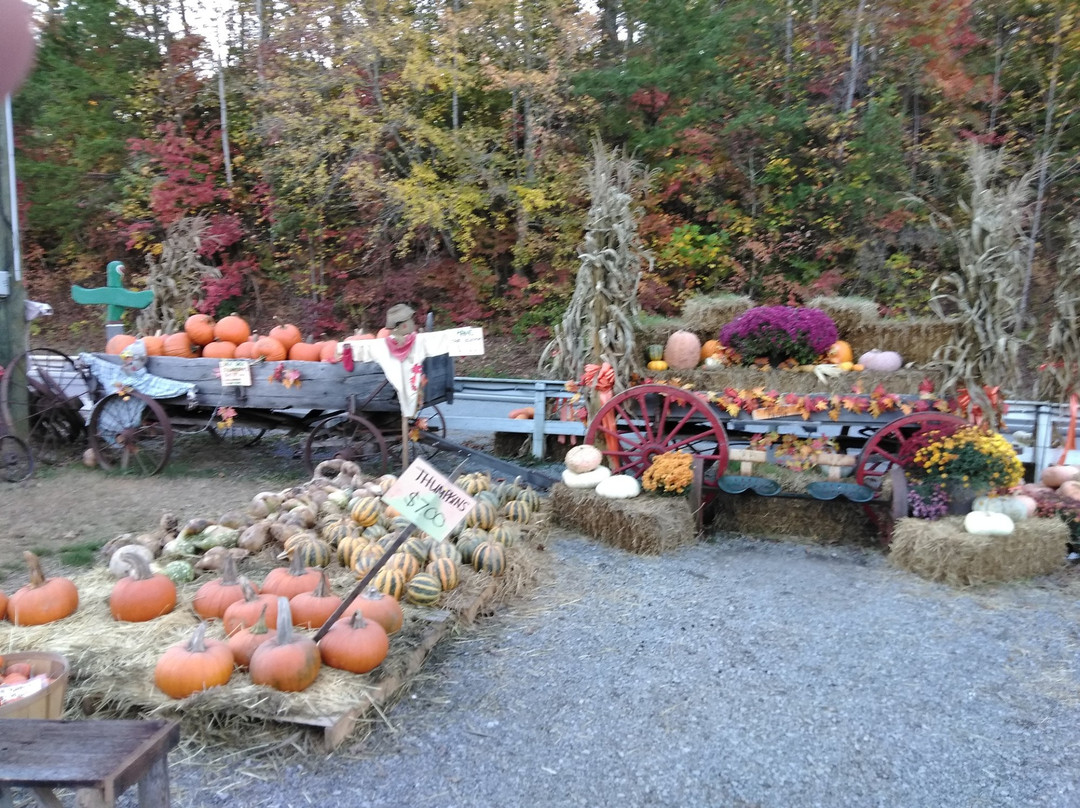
(401, 360)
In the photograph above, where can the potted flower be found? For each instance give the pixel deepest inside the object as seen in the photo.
(670, 473)
(777, 334)
(948, 467)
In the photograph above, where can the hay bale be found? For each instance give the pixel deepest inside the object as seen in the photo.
(849, 313)
(647, 524)
(807, 521)
(916, 340)
(705, 315)
(941, 550)
(905, 381)
(656, 330)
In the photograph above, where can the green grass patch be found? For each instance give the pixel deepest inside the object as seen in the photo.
(80, 554)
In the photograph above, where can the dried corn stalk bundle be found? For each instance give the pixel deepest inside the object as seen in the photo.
(983, 292)
(599, 323)
(1060, 372)
(176, 276)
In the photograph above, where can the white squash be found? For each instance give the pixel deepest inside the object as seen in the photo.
(589, 479)
(985, 523)
(583, 458)
(885, 361)
(619, 486)
(120, 562)
(1016, 508)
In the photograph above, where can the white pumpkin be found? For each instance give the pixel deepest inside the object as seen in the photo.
(985, 523)
(588, 479)
(583, 458)
(1016, 508)
(120, 564)
(619, 486)
(884, 361)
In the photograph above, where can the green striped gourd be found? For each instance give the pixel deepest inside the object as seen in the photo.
(365, 511)
(482, 515)
(503, 533)
(473, 484)
(491, 497)
(517, 511)
(390, 582)
(423, 590)
(349, 550)
(312, 550)
(405, 563)
(444, 549)
(446, 571)
(490, 557)
(530, 497)
(374, 532)
(361, 566)
(342, 527)
(467, 546)
(398, 523)
(417, 546)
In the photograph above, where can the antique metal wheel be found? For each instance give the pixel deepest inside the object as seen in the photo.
(55, 387)
(16, 461)
(130, 432)
(347, 436)
(651, 419)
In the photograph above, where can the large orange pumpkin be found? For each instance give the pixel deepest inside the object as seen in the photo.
(328, 351)
(306, 351)
(288, 661)
(179, 344)
(356, 645)
(245, 350)
(200, 328)
(287, 334)
(219, 349)
(232, 328)
(43, 600)
(142, 595)
(116, 344)
(269, 349)
(155, 345)
(194, 665)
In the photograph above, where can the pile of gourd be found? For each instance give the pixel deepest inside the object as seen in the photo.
(585, 470)
(336, 517)
(997, 516)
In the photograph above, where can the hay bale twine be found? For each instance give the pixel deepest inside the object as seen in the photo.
(941, 550)
(648, 524)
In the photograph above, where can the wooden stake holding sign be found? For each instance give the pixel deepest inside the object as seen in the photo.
(430, 502)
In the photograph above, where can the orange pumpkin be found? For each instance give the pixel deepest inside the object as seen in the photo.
(3, 612)
(116, 344)
(232, 328)
(840, 351)
(43, 600)
(219, 349)
(288, 661)
(287, 334)
(214, 597)
(382, 332)
(246, 611)
(270, 349)
(155, 345)
(710, 347)
(179, 344)
(245, 350)
(194, 665)
(356, 645)
(328, 351)
(312, 609)
(200, 328)
(383, 609)
(292, 580)
(306, 351)
(142, 595)
(243, 643)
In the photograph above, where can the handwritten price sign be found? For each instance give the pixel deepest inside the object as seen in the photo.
(429, 500)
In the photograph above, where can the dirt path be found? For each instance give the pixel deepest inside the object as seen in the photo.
(62, 511)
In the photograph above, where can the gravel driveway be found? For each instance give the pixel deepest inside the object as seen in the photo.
(732, 673)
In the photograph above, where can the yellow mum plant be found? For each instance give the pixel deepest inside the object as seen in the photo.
(670, 473)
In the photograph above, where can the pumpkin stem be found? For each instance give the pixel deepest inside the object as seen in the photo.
(249, 591)
(197, 643)
(323, 589)
(260, 624)
(296, 564)
(228, 571)
(284, 621)
(357, 620)
(37, 575)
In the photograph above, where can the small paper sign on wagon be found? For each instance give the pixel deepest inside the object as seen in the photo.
(429, 500)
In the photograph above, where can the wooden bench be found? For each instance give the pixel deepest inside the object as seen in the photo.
(99, 759)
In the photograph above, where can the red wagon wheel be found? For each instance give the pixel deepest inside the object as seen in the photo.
(652, 419)
(54, 387)
(131, 432)
(880, 458)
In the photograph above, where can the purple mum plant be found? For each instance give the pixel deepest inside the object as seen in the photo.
(777, 333)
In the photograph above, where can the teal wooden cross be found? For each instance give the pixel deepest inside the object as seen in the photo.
(113, 294)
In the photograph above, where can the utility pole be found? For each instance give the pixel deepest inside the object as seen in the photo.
(12, 296)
